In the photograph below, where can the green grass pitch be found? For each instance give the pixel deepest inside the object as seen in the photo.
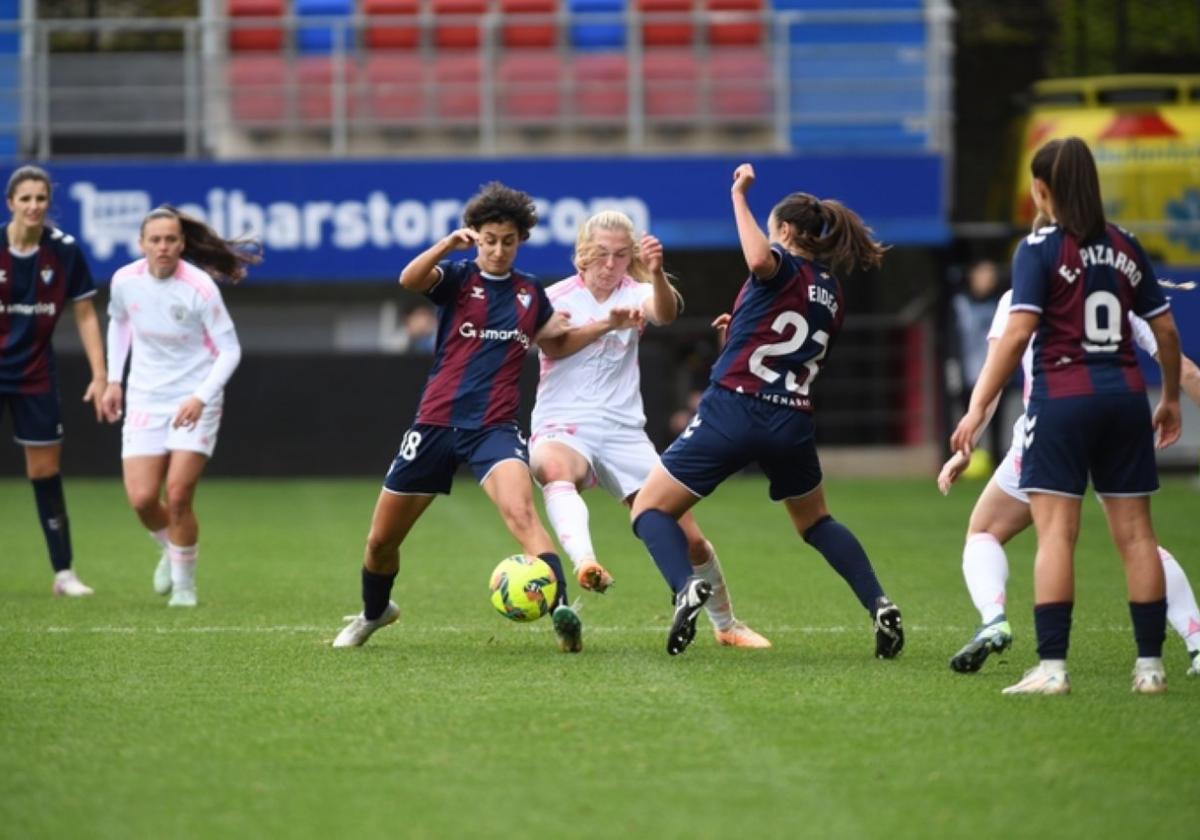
(120, 718)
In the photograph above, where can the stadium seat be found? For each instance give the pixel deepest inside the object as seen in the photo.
(666, 23)
(394, 88)
(391, 35)
(456, 23)
(314, 77)
(529, 86)
(319, 38)
(254, 38)
(456, 81)
(672, 85)
(528, 23)
(746, 30)
(601, 87)
(739, 84)
(257, 94)
(597, 24)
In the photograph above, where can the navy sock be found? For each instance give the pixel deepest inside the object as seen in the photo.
(1053, 623)
(555, 565)
(52, 511)
(1149, 626)
(667, 544)
(842, 550)
(376, 592)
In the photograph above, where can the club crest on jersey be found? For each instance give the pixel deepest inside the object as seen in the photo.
(178, 313)
(523, 298)
(47, 275)
(3, 276)
(477, 293)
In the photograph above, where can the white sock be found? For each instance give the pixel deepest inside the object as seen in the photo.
(1182, 611)
(159, 537)
(718, 606)
(985, 568)
(183, 565)
(569, 519)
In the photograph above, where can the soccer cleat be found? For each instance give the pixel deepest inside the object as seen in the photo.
(67, 583)
(568, 628)
(1042, 679)
(739, 635)
(594, 577)
(162, 574)
(889, 629)
(183, 596)
(1149, 676)
(688, 603)
(993, 637)
(356, 633)
(1194, 670)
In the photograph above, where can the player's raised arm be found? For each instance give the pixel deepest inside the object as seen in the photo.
(760, 259)
(422, 272)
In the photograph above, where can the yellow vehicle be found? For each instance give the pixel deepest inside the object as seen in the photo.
(1144, 131)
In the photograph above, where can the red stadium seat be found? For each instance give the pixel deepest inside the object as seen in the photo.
(528, 23)
(672, 79)
(456, 80)
(395, 35)
(530, 86)
(666, 22)
(255, 38)
(456, 23)
(739, 84)
(394, 87)
(746, 31)
(256, 90)
(314, 88)
(601, 86)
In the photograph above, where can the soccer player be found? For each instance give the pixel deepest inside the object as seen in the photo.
(488, 315)
(1002, 512)
(588, 422)
(41, 268)
(167, 308)
(758, 406)
(1074, 284)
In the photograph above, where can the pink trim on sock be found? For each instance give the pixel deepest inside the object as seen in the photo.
(557, 488)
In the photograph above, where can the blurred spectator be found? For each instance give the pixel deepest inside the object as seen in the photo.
(421, 325)
(972, 307)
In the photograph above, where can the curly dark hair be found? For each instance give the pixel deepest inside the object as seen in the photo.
(497, 203)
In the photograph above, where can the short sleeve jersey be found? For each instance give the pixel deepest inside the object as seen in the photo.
(601, 382)
(1084, 295)
(34, 290)
(486, 325)
(781, 330)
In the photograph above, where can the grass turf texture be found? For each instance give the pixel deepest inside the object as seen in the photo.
(121, 718)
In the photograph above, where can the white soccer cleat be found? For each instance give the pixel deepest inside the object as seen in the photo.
(356, 633)
(67, 583)
(1043, 679)
(183, 596)
(1194, 670)
(739, 635)
(162, 574)
(1149, 676)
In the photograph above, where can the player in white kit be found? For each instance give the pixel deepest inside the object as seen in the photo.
(588, 422)
(1002, 512)
(167, 308)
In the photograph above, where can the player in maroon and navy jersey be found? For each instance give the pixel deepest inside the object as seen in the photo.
(41, 270)
(758, 406)
(489, 314)
(1075, 282)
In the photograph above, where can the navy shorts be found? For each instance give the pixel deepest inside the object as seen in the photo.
(1109, 436)
(430, 455)
(731, 431)
(37, 418)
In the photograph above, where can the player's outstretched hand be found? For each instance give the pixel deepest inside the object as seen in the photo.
(963, 439)
(743, 177)
(189, 413)
(951, 470)
(721, 322)
(1167, 423)
(93, 394)
(462, 239)
(623, 317)
(652, 252)
(110, 403)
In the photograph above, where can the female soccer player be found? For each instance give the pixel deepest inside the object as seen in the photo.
(758, 408)
(588, 423)
(488, 315)
(1074, 284)
(41, 268)
(168, 309)
(1002, 512)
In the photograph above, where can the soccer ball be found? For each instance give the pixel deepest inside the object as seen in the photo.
(523, 588)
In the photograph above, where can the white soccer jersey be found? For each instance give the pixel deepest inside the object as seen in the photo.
(601, 382)
(182, 337)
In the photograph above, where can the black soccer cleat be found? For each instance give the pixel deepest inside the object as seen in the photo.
(688, 602)
(889, 629)
(993, 637)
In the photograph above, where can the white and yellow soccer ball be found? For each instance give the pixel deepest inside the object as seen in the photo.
(523, 588)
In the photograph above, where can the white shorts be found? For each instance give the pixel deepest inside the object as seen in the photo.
(1008, 475)
(151, 433)
(620, 458)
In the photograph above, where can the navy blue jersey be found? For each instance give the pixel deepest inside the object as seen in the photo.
(1084, 294)
(34, 291)
(782, 327)
(485, 326)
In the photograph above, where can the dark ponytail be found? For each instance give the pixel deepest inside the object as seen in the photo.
(224, 259)
(1068, 169)
(830, 231)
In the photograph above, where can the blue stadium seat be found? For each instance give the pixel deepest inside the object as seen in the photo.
(10, 81)
(317, 38)
(594, 24)
(884, 137)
